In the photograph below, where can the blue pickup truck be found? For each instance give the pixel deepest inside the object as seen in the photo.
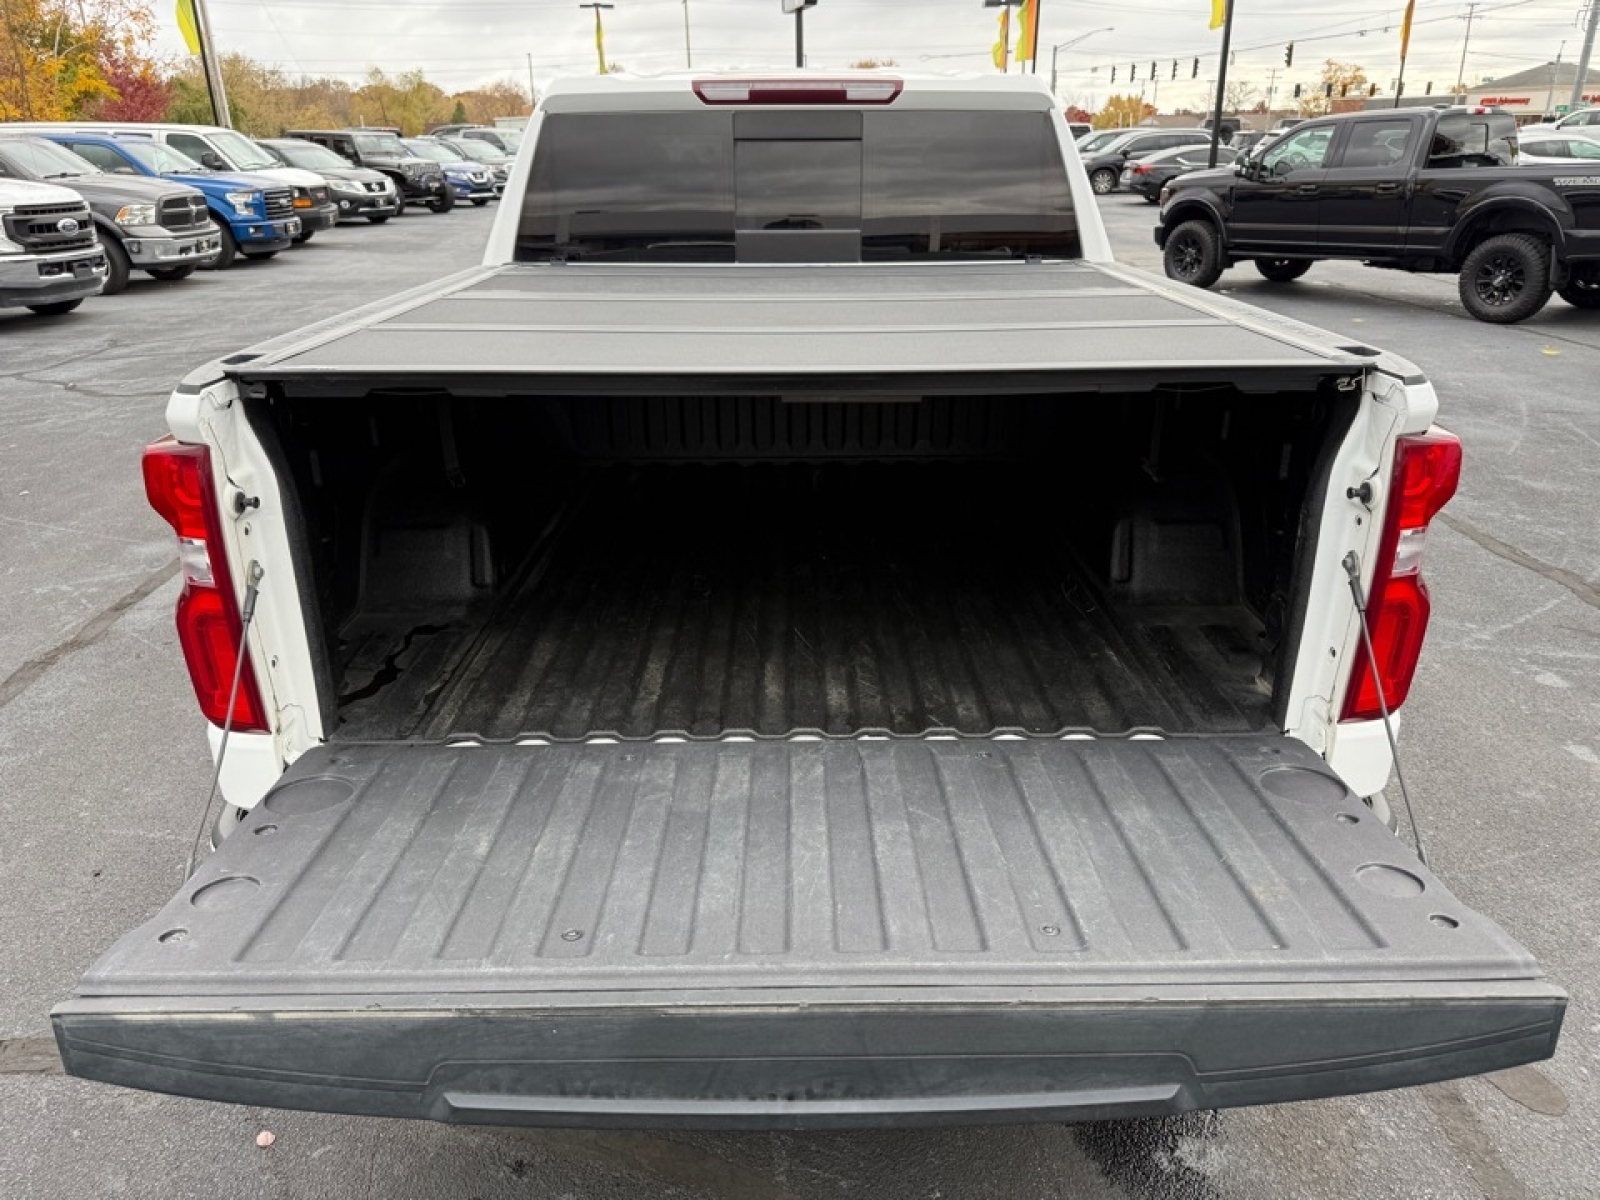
(254, 214)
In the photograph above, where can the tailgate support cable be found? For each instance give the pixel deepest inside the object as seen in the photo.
(247, 611)
(1352, 570)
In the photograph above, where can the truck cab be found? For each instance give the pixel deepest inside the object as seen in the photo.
(381, 150)
(50, 258)
(150, 225)
(254, 215)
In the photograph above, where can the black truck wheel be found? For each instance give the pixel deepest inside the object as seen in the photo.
(480, 201)
(1506, 278)
(1582, 293)
(228, 247)
(1103, 181)
(118, 267)
(1283, 270)
(1193, 254)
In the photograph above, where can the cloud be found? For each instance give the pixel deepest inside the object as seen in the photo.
(462, 43)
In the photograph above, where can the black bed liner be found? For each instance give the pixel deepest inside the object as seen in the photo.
(807, 933)
(704, 603)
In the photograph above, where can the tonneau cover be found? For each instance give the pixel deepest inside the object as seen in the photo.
(555, 326)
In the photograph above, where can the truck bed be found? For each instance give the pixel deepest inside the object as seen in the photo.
(782, 600)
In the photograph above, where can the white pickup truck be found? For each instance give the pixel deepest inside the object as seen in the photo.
(50, 258)
(799, 638)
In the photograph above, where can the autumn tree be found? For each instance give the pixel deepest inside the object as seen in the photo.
(262, 100)
(140, 93)
(1120, 111)
(500, 99)
(56, 55)
(1343, 77)
(406, 101)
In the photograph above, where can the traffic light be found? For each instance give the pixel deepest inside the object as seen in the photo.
(1288, 55)
(1428, 91)
(1297, 91)
(1194, 71)
(1373, 90)
(1174, 68)
(1113, 74)
(1133, 72)
(1152, 70)
(1327, 90)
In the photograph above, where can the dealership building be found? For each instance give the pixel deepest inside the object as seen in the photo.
(1537, 92)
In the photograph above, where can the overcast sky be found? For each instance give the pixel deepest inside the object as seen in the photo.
(462, 43)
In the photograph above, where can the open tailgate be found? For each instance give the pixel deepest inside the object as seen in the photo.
(806, 934)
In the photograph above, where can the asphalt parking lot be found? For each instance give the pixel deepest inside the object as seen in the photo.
(103, 770)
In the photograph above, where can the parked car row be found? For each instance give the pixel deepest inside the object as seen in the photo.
(84, 205)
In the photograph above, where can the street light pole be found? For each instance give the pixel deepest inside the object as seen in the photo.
(688, 53)
(1056, 50)
(599, 32)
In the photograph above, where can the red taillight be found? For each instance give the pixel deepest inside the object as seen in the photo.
(798, 91)
(1427, 468)
(177, 480)
(1141, 169)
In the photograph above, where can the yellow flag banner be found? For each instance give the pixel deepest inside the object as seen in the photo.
(187, 26)
(1405, 29)
(1219, 13)
(1002, 48)
(1028, 37)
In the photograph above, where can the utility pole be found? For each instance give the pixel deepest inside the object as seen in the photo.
(1583, 57)
(1272, 87)
(1222, 83)
(1461, 71)
(533, 92)
(599, 31)
(688, 53)
(211, 65)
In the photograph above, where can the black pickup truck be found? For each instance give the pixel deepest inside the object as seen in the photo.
(1410, 189)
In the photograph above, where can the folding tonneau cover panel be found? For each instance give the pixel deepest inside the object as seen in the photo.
(530, 328)
(807, 933)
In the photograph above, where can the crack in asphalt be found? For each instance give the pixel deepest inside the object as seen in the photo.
(25, 676)
(1580, 587)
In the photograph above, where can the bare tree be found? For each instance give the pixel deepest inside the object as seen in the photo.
(1239, 95)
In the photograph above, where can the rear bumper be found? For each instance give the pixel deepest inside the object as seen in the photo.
(811, 1060)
